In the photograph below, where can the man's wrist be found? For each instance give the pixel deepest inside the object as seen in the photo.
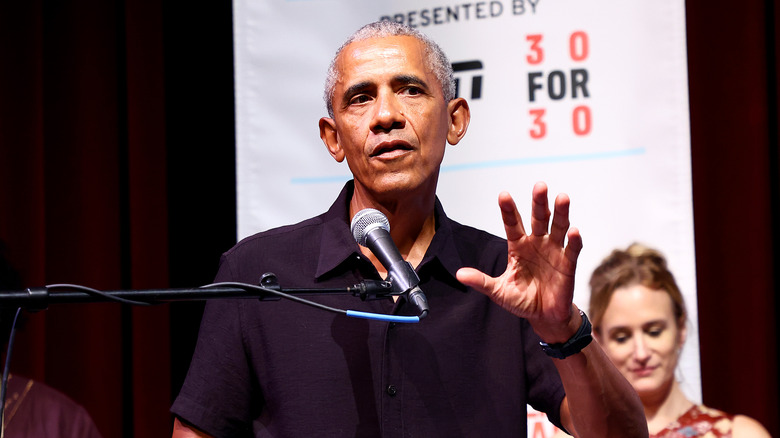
(581, 339)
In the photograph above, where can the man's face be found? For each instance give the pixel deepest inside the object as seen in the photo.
(390, 119)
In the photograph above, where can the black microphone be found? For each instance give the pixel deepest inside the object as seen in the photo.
(371, 229)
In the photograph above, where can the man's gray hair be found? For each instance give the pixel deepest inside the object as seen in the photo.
(435, 58)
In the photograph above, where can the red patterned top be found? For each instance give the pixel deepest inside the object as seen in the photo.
(699, 421)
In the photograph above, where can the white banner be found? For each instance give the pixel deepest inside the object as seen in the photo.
(588, 96)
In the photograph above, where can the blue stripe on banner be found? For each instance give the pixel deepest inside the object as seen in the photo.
(497, 163)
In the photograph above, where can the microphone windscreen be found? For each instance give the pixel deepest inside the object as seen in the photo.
(365, 221)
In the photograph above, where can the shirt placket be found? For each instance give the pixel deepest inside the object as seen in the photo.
(393, 393)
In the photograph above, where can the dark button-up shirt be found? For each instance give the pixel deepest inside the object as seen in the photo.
(283, 369)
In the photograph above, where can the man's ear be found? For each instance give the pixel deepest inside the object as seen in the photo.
(330, 137)
(460, 116)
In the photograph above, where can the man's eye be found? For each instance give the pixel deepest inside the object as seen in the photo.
(413, 91)
(361, 98)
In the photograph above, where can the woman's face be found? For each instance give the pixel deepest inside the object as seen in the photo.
(641, 336)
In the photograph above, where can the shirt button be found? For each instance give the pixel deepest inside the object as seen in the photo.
(392, 390)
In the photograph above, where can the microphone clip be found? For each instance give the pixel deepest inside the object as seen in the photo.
(369, 290)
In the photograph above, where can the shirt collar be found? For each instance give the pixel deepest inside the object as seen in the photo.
(443, 252)
(338, 245)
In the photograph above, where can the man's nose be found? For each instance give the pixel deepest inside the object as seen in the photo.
(388, 113)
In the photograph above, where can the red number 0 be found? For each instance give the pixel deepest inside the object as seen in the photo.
(578, 46)
(581, 121)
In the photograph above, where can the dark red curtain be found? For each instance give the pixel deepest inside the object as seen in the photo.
(117, 172)
(733, 61)
(89, 195)
(83, 198)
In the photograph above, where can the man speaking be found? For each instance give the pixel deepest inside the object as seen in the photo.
(501, 331)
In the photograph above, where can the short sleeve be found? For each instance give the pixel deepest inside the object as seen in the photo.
(545, 388)
(217, 394)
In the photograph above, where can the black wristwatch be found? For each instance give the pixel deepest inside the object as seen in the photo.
(574, 345)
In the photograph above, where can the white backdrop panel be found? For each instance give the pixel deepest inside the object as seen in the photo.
(608, 76)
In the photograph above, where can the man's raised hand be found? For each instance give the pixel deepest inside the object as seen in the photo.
(538, 283)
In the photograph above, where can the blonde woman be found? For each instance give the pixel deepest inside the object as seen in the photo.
(639, 319)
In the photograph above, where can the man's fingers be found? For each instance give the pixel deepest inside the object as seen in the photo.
(574, 246)
(476, 279)
(540, 210)
(560, 223)
(513, 223)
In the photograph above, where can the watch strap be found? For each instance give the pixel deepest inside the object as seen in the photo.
(574, 345)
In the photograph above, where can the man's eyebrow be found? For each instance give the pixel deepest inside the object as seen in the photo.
(356, 88)
(410, 79)
(362, 86)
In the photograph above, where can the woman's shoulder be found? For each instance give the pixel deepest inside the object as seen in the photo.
(744, 427)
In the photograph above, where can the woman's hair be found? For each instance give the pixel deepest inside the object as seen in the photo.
(435, 58)
(636, 265)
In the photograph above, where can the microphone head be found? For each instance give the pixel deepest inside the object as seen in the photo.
(365, 221)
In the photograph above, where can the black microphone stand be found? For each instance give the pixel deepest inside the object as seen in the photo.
(39, 298)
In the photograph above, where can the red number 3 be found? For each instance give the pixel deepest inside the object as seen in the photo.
(537, 55)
